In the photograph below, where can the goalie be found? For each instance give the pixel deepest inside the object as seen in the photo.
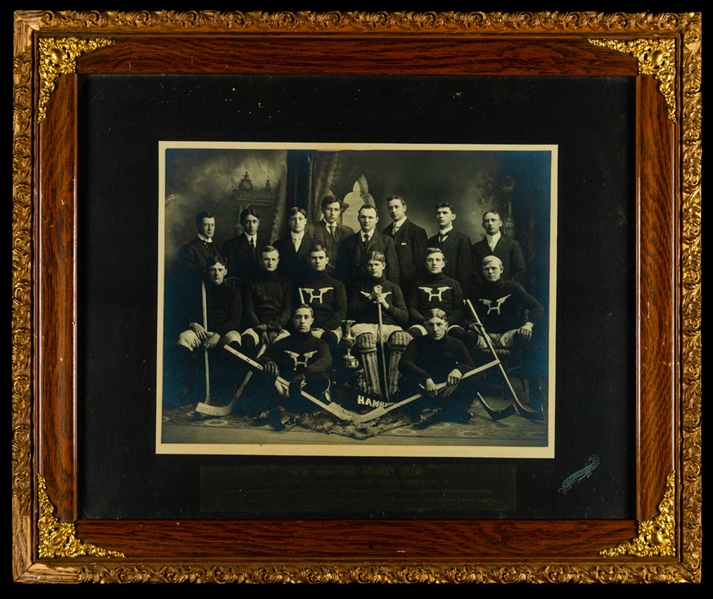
(379, 311)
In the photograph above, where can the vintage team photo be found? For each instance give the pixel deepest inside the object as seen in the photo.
(390, 300)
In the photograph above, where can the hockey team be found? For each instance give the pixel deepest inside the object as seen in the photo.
(422, 312)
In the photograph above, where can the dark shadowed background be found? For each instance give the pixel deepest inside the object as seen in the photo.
(124, 117)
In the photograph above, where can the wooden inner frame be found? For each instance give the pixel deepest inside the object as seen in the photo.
(314, 543)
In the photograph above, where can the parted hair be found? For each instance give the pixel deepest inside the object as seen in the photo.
(249, 212)
(436, 313)
(201, 215)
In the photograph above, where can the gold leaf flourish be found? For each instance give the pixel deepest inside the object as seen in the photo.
(305, 21)
(58, 539)
(654, 57)
(58, 56)
(22, 280)
(688, 24)
(656, 537)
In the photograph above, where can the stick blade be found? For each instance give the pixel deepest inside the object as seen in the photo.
(213, 410)
(534, 415)
(496, 415)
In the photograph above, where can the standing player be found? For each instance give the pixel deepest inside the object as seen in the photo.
(410, 241)
(328, 232)
(454, 245)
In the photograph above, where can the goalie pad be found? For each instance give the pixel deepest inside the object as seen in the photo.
(397, 344)
(366, 346)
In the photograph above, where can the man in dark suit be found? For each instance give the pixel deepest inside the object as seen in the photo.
(193, 257)
(410, 241)
(295, 246)
(328, 232)
(497, 244)
(454, 245)
(355, 249)
(242, 251)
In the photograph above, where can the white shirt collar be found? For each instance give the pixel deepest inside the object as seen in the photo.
(400, 223)
(445, 231)
(493, 239)
(204, 238)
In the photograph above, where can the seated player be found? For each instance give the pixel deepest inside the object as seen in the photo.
(372, 296)
(295, 363)
(435, 290)
(509, 315)
(430, 360)
(500, 305)
(327, 297)
(268, 301)
(222, 305)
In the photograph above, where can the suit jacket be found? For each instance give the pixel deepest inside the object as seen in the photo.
(330, 243)
(353, 258)
(243, 261)
(193, 259)
(294, 265)
(456, 250)
(411, 242)
(510, 254)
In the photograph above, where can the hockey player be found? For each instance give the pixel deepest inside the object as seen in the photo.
(435, 290)
(377, 307)
(437, 358)
(295, 363)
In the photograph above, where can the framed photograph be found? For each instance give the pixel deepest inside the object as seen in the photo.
(356, 297)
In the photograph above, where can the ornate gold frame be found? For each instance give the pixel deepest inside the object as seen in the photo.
(668, 548)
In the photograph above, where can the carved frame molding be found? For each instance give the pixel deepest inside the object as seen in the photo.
(686, 29)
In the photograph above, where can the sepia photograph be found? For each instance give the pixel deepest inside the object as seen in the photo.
(356, 299)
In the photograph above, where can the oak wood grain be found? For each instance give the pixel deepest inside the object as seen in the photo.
(56, 316)
(384, 55)
(358, 539)
(56, 225)
(657, 258)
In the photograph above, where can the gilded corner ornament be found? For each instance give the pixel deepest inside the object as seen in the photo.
(58, 56)
(654, 57)
(656, 537)
(58, 539)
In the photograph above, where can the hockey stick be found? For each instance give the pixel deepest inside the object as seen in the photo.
(377, 412)
(211, 410)
(496, 415)
(333, 408)
(205, 350)
(381, 340)
(521, 409)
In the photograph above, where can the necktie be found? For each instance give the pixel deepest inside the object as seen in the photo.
(442, 238)
(252, 246)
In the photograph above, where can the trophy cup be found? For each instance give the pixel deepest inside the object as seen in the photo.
(350, 361)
